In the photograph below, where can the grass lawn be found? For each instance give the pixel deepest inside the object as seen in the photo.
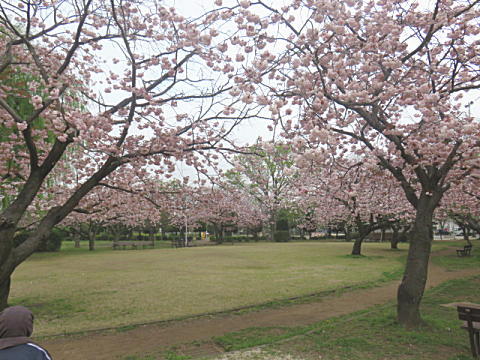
(371, 334)
(453, 262)
(76, 290)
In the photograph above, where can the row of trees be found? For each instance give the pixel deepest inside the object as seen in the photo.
(98, 95)
(274, 187)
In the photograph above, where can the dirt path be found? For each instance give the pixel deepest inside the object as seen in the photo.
(149, 338)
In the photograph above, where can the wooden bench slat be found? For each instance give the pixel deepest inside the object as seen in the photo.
(475, 325)
(132, 244)
(471, 316)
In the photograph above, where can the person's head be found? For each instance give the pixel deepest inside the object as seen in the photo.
(16, 321)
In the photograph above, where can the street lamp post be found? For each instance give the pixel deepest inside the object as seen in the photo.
(469, 105)
(186, 230)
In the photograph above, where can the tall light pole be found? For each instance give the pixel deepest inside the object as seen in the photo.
(469, 105)
(186, 229)
(185, 207)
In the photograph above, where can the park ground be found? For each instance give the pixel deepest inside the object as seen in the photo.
(351, 319)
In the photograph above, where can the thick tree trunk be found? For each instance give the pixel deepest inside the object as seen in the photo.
(395, 238)
(272, 227)
(116, 234)
(357, 246)
(7, 264)
(404, 234)
(4, 292)
(410, 291)
(76, 240)
(151, 234)
(382, 235)
(218, 234)
(466, 235)
(363, 231)
(91, 240)
(91, 244)
(348, 234)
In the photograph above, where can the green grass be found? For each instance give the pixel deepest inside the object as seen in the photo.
(77, 290)
(453, 262)
(251, 337)
(373, 334)
(172, 355)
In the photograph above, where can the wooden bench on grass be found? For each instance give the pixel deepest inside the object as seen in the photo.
(467, 249)
(470, 313)
(180, 242)
(117, 245)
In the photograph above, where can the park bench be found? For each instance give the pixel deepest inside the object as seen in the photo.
(470, 313)
(465, 251)
(180, 242)
(117, 245)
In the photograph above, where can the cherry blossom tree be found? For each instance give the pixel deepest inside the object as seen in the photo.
(388, 76)
(120, 82)
(249, 214)
(345, 190)
(185, 210)
(400, 229)
(267, 176)
(462, 206)
(111, 207)
(226, 206)
(217, 207)
(173, 202)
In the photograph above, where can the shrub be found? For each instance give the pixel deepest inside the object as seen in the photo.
(237, 238)
(50, 244)
(281, 236)
(282, 224)
(53, 242)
